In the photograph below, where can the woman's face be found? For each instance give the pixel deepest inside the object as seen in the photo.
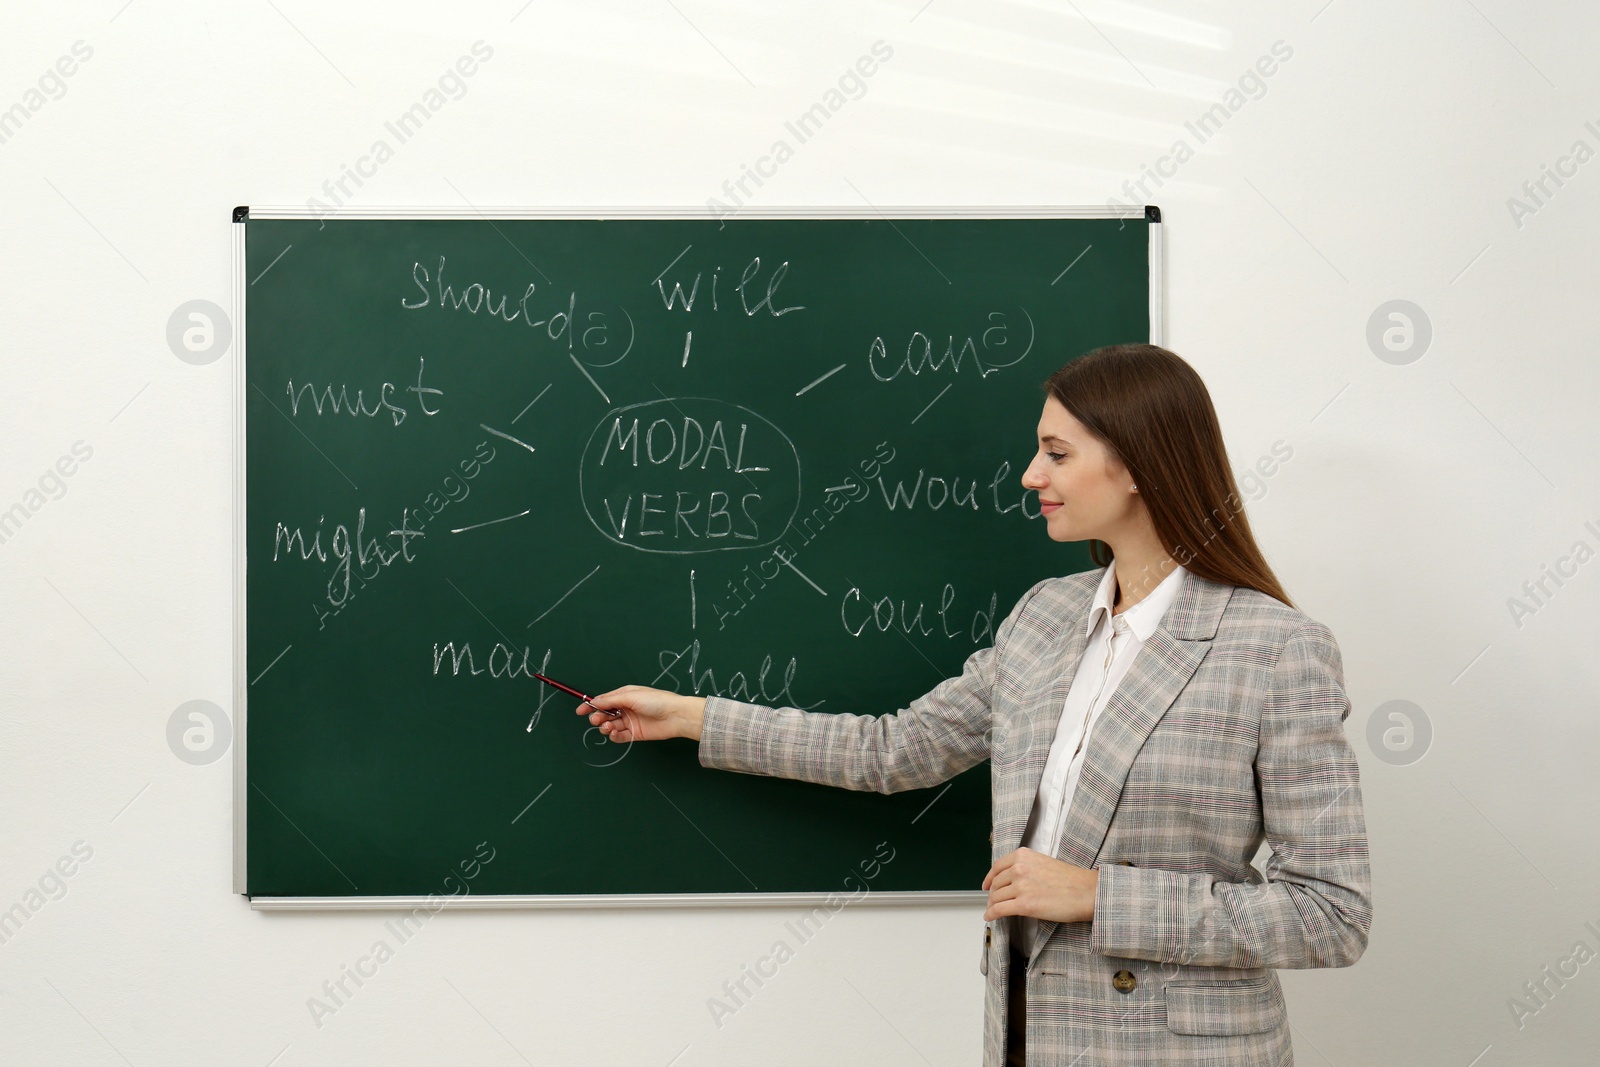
(1084, 492)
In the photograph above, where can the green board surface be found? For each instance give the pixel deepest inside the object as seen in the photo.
(476, 449)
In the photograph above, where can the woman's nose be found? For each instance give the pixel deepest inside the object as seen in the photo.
(1033, 477)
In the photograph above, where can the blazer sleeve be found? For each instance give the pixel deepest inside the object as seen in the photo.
(1315, 907)
(942, 733)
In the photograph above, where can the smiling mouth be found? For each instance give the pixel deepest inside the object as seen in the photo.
(1048, 505)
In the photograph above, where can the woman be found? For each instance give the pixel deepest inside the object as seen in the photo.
(1148, 724)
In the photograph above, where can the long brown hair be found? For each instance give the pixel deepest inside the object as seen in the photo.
(1153, 413)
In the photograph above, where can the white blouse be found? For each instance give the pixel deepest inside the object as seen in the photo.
(1106, 658)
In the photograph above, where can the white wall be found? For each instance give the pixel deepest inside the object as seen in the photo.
(1419, 498)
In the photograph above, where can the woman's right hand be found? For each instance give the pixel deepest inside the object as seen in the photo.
(647, 714)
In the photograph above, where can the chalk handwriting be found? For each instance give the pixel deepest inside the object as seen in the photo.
(855, 487)
(365, 550)
(718, 522)
(340, 403)
(935, 493)
(688, 475)
(885, 613)
(987, 350)
(661, 447)
(452, 489)
(585, 333)
(501, 662)
(678, 299)
(738, 687)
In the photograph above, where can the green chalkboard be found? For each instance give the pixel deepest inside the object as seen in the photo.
(774, 458)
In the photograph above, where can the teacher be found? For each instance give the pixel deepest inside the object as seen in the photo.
(1148, 724)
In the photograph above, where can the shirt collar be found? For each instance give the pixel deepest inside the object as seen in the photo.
(1146, 615)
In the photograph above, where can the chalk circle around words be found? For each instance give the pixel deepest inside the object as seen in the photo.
(687, 475)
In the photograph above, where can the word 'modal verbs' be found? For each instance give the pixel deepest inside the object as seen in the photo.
(688, 475)
(990, 350)
(663, 443)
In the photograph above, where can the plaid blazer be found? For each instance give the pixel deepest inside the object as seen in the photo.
(1227, 729)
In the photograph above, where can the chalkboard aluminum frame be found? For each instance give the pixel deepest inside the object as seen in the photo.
(241, 215)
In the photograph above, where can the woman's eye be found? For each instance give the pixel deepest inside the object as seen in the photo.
(1056, 457)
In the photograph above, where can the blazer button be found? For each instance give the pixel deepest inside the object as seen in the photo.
(1125, 863)
(1124, 982)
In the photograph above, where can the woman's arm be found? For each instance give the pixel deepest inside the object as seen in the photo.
(1315, 908)
(941, 734)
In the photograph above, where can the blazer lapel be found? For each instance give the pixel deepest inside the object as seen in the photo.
(1165, 663)
(1014, 801)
